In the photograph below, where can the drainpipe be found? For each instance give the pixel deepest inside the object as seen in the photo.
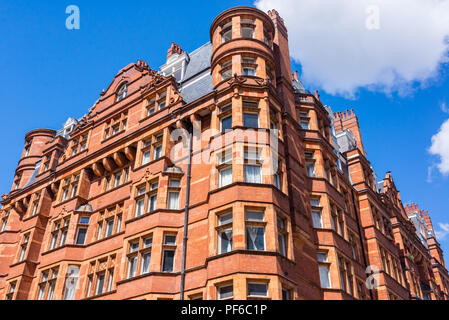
(361, 237)
(189, 126)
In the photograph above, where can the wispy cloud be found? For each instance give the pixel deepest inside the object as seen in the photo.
(443, 232)
(440, 148)
(382, 45)
(444, 107)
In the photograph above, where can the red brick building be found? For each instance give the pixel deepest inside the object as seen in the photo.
(270, 197)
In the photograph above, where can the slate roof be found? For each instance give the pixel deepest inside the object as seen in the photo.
(197, 79)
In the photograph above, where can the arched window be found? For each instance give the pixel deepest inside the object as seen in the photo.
(122, 92)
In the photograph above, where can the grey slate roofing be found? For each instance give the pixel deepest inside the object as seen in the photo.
(298, 86)
(32, 178)
(199, 61)
(197, 78)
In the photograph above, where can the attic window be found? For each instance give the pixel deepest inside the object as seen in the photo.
(122, 92)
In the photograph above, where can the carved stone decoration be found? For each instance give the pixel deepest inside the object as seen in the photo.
(63, 212)
(176, 96)
(157, 78)
(108, 164)
(130, 153)
(212, 107)
(83, 124)
(236, 80)
(263, 82)
(119, 159)
(5, 197)
(98, 169)
(148, 175)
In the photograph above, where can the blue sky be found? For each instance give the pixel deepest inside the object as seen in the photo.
(50, 73)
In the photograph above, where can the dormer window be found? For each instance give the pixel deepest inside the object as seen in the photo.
(122, 92)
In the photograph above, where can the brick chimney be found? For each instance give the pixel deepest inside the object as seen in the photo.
(283, 66)
(348, 120)
(174, 49)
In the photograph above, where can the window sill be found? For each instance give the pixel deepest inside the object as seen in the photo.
(149, 274)
(111, 190)
(253, 252)
(152, 213)
(141, 166)
(112, 137)
(100, 295)
(38, 215)
(152, 115)
(74, 156)
(63, 247)
(106, 238)
(24, 262)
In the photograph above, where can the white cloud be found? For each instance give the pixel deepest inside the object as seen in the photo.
(340, 54)
(444, 232)
(444, 107)
(440, 147)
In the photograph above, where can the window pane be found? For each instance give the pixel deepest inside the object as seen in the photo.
(251, 120)
(173, 200)
(148, 242)
(169, 257)
(324, 276)
(225, 292)
(258, 289)
(84, 220)
(252, 215)
(100, 284)
(146, 262)
(225, 177)
(253, 174)
(282, 245)
(225, 241)
(170, 240)
(317, 220)
(157, 152)
(175, 183)
(132, 261)
(109, 228)
(225, 219)
(226, 123)
(322, 257)
(255, 238)
(139, 207)
(247, 33)
(81, 238)
(152, 203)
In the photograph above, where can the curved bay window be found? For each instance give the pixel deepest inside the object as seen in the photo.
(226, 70)
(248, 28)
(226, 32)
(122, 92)
(249, 66)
